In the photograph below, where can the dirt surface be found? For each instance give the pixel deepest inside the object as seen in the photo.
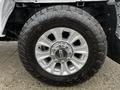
(13, 76)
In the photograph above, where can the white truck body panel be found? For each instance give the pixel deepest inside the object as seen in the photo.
(6, 7)
(56, 1)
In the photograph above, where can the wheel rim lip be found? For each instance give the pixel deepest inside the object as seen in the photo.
(71, 71)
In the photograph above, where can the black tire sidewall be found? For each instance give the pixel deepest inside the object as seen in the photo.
(38, 30)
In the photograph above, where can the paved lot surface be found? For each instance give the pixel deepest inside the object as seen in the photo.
(13, 76)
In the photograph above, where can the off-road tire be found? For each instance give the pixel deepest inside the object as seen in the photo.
(72, 17)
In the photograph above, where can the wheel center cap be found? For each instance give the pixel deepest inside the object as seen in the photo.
(61, 54)
(61, 51)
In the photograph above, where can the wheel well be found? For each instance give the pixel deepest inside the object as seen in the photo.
(22, 12)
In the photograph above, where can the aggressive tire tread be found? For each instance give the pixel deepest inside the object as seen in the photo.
(45, 15)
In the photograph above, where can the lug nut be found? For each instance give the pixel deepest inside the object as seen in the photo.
(52, 56)
(66, 47)
(70, 54)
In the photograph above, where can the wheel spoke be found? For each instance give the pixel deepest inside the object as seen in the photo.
(81, 49)
(64, 69)
(75, 61)
(73, 36)
(58, 34)
(44, 41)
(78, 63)
(51, 66)
(42, 55)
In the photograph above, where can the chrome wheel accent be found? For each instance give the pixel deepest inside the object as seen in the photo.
(61, 51)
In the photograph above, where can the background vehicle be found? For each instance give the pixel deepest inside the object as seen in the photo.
(62, 42)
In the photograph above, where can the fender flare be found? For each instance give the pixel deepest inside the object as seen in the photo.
(6, 8)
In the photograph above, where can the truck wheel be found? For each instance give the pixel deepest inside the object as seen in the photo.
(62, 45)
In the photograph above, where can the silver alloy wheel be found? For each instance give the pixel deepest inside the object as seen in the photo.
(61, 51)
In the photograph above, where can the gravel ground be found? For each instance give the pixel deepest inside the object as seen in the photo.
(13, 76)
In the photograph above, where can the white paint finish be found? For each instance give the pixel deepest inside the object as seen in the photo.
(57, 1)
(6, 7)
